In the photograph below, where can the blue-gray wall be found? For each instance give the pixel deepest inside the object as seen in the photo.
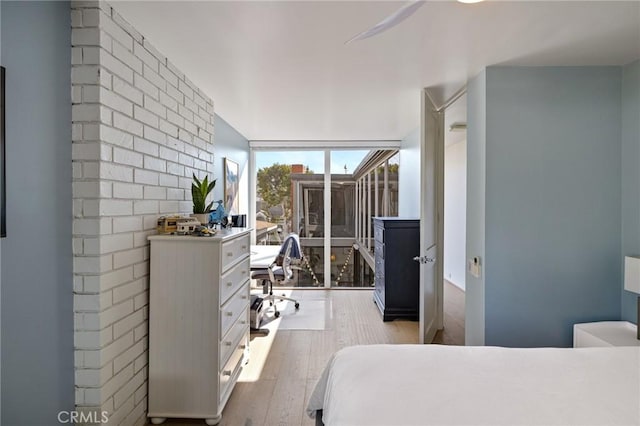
(552, 202)
(37, 288)
(630, 176)
(408, 176)
(231, 144)
(0, 254)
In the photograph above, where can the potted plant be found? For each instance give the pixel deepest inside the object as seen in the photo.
(199, 192)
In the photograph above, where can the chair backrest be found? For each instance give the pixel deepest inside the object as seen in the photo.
(290, 248)
(290, 252)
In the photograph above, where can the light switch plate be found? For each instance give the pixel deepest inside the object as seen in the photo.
(474, 267)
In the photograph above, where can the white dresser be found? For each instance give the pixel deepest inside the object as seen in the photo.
(198, 323)
(605, 333)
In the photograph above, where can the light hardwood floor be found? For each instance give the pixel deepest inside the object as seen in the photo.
(453, 332)
(284, 365)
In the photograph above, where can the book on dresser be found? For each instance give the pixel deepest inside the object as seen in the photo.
(198, 323)
(397, 275)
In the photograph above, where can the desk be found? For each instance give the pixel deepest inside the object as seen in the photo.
(263, 256)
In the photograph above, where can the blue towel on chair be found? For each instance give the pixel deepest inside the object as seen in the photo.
(295, 252)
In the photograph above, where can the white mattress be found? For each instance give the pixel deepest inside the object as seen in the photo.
(447, 385)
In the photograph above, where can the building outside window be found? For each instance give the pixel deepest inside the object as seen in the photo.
(290, 198)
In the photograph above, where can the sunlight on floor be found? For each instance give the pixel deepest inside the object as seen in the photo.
(315, 313)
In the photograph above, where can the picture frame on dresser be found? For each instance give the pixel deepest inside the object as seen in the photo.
(231, 186)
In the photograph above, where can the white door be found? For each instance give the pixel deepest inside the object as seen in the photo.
(431, 214)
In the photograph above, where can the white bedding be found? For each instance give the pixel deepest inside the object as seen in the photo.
(447, 385)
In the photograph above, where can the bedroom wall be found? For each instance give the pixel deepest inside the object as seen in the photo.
(630, 177)
(408, 183)
(141, 128)
(37, 290)
(230, 143)
(476, 177)
(0, 252)
(552, 202)
(455, 205)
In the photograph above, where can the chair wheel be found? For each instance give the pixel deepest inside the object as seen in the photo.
(277, 314)
(297, 305)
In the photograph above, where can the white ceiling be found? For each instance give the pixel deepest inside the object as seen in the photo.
(279, 70)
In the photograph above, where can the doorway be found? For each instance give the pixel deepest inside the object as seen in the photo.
(455, 206)
(442, 302)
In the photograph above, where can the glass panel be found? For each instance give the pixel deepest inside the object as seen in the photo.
(312, 273)
(312, 221)
(289, 198)
(344, 258)
(394, 168)
(343, 217)
(371, 212)
(343, 214)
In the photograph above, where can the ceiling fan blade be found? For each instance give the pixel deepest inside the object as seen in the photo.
(390, 21)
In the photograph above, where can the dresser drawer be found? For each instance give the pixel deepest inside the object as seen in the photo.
(233, 279)
(231, 370)
(230, 341)
(233, 250)
(234, 308)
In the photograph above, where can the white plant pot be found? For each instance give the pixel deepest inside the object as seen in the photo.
(203, 218)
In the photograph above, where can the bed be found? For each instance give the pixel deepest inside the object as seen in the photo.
(448, 385)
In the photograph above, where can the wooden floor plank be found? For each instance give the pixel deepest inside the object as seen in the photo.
(288, 408)
(249, 403)
(295, 363)
(306, 420)
(323, 344)
(276, 355)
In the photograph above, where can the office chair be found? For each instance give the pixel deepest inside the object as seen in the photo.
(281, 270)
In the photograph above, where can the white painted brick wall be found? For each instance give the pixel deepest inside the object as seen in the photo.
(140, 129)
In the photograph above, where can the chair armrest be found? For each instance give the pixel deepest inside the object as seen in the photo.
(272, 278)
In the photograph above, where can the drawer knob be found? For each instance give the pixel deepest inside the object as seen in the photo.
(229, 284)
(243, 272)
(229, 253)
(243, 347)
(244, 247)
(229, 314)
(243, 322)
(227, 343)
(226, 373)
(244, 296)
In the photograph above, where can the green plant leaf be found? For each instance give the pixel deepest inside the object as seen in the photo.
(199, 192)
(194, 192)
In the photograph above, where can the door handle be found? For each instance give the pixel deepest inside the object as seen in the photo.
(424, 259)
